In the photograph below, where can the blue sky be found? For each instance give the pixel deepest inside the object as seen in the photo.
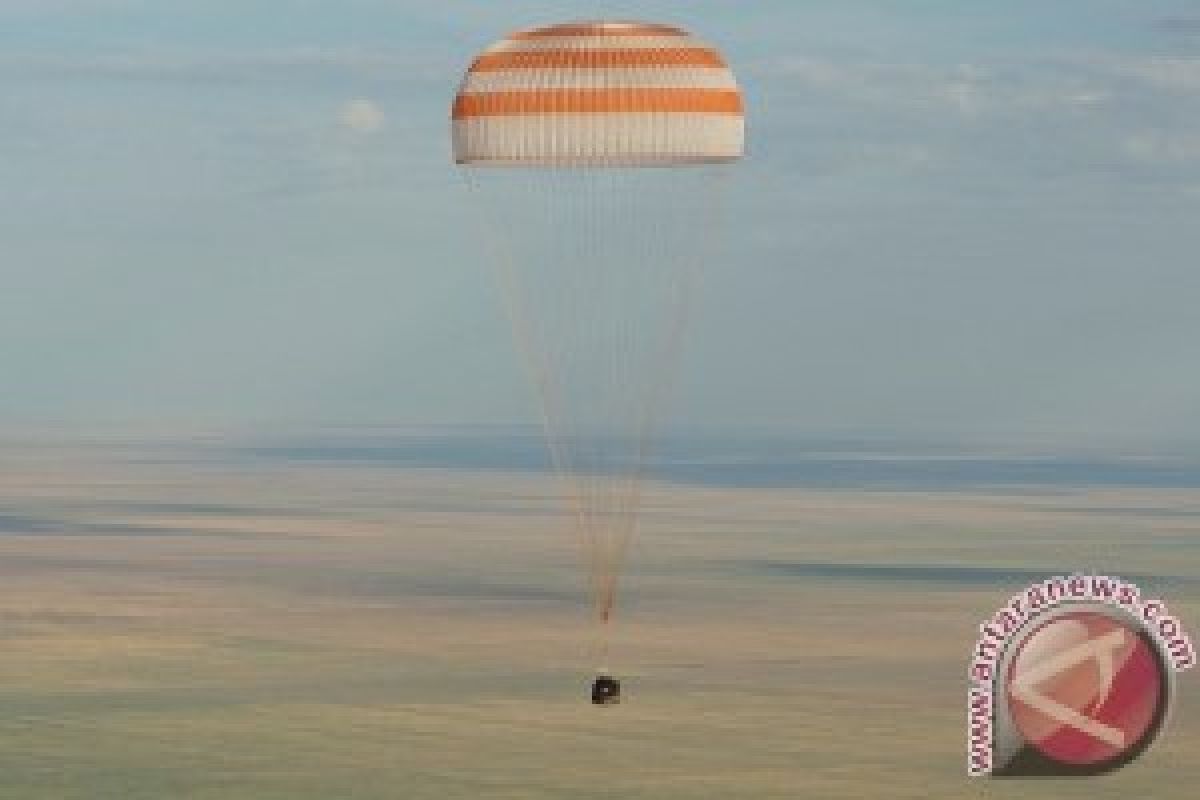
(959, 218)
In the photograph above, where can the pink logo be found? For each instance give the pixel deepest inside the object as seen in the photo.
(1085, 689)
(1073, 676)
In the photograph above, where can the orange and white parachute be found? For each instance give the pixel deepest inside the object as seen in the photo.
(612, 141)
(598, 93)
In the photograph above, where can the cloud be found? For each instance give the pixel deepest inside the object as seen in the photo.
(1162, 146)
(1186, 25)
(964, 95)
(301, 64)
(362, 116)
(966, 90)
(876, 84)
(1172, 74)
(1103, 118)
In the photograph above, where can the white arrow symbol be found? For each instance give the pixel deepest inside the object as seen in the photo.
(1101, 651)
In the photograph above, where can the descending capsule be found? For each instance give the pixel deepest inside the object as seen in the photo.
(598, 153)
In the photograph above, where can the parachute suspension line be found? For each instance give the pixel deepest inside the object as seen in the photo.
(536, 360)
(597, 267)
(683, 291)
(630, 330)
(587, 281)
(682, 269)
(586, 312)
(607, 456)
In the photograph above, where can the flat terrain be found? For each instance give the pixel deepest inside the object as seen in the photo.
(184, 626)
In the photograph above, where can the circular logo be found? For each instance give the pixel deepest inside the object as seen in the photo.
(1087, 689)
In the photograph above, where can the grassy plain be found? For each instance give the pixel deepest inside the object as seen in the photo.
(186, 627)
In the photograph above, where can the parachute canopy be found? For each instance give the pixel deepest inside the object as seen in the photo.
(598, 94)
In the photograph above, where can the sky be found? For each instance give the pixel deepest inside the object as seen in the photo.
(957, 218)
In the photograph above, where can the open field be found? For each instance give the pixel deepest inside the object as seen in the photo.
(180, 626)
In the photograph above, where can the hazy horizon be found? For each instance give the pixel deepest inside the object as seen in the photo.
(744, 459)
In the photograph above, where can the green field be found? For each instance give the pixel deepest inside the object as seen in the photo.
(179, 628)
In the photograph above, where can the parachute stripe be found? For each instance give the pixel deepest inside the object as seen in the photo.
(575, 101)
(596, 43)
(606, 58)
(631, 78)
(600, 29)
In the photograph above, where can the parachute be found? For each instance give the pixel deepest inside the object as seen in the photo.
(598, 153)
